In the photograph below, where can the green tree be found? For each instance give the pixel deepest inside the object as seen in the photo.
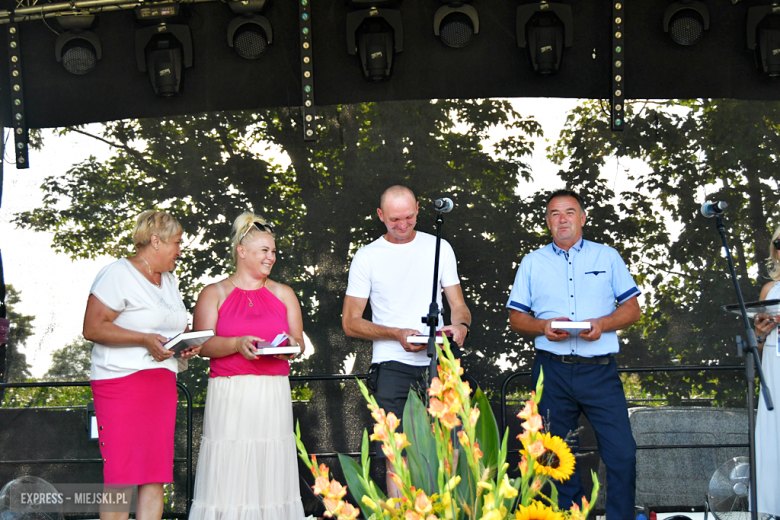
(207, 168)
(72, 362)
(17, 368)
(713, 149)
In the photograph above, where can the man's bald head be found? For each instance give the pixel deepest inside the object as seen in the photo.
(394, 192)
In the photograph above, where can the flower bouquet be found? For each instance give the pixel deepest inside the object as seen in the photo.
(454, 465)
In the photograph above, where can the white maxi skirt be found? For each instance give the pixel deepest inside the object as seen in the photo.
(247, 466)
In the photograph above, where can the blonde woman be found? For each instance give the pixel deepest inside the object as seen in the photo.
(247, 466)
(768, 422)
(134, 307)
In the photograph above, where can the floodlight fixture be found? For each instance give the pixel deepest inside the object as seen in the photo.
(375, 34)
(249, 34)
(545, 29)
(763, 37)
(164, 51)
(77, 48)
(456, 23)
(686, 21)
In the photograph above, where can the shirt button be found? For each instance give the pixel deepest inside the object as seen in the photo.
(572, 296)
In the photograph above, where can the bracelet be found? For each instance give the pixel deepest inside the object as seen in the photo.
(468, 328)
(760, 339)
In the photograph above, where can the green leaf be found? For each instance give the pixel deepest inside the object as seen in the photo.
(487, 432)
(354, 477)
(466, 487)
(421, 455)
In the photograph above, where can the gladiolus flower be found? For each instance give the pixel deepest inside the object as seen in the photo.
(379, 433)
(336, 489)
(388, 451)
(474, 416)
(397, 480)
(533, 424)
(349, 512)
(400, 441)
(536, 485)
(523, 465)
(450, 421)
(437, 408)
(392, 421)
(536, 448)
(506, 489)
(529, 410)
(378, 414)
(436, 388)
(477, 452)
(321, 485)
(411, 515)
(431, 517)
(366, 500)
(485, 485)
(333, 506)
(493, 514)
(422, 504)
(463, 437)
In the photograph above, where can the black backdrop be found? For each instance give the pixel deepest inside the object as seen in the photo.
(492, 66)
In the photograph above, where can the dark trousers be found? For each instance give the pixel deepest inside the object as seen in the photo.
(596, 391)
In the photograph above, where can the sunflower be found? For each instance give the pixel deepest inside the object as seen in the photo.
(557, 461)
(537, 511)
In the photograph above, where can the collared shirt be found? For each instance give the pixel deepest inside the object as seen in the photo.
(583, 283)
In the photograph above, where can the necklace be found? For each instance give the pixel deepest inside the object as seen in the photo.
(159, 285)
(251, 304)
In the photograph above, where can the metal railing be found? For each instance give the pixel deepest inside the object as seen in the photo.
(629, 370)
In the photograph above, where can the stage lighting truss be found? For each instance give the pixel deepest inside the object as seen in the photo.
(545, 29)
(77, 48)
(249, 34)
(456, 23)
(375, 34)
(686, 21)
(763, 37)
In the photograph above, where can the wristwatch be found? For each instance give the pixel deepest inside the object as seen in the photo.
(468, 328)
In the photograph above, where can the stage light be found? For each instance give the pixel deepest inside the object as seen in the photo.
(163, 49)
(544, 29)
(77, 48)
(686, 21)
(763, 36)
(456, 23)
(375, 35)
(249, 34)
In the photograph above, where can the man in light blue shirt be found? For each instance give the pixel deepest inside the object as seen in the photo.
(573, 279)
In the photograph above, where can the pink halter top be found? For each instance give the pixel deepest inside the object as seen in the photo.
(265, 318)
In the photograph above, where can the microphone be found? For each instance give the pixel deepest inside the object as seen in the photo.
(443, 205)
(710, 209)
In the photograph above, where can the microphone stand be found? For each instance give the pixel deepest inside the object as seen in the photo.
(748, 350)
(432, 319)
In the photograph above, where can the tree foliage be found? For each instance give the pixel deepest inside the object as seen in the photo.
(72, 362)
(695, 150)
(17, 368)
(207, 168)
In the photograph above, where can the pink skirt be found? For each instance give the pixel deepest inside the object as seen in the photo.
(136, 417)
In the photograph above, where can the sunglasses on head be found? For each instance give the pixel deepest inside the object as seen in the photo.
(265, 228)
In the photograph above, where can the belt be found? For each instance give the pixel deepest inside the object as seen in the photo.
(579, 360)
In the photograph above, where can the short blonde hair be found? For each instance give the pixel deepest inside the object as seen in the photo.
(248, 224)
(773, 262)
(153, 222)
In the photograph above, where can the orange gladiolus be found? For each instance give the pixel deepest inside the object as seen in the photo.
(349, 512)
(388, 451)
(423, 504)
(379, 433)
(536, 448)
(392, 421)
(463, 438)
(321, 485)
(533, 424)
(474, 416)
(436, 387)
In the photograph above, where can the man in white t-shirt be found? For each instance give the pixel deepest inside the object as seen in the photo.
(395, 273)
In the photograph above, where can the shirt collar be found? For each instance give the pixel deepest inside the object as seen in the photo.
(577, 247)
